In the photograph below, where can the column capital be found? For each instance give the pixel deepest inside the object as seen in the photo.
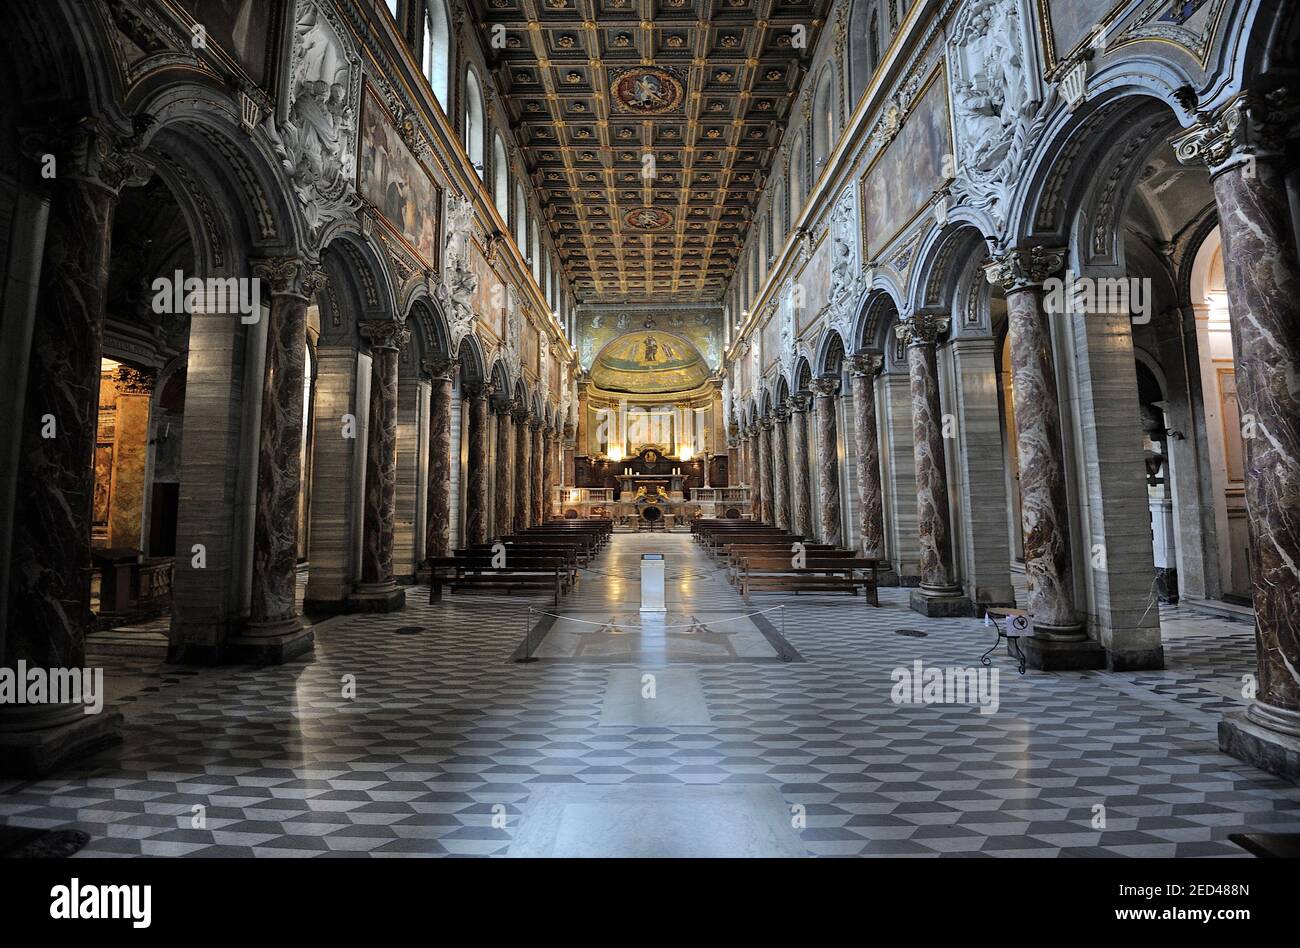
(1023, 267)
(825, 386)
(921, 329)
(780, 414)
(869, 364)
(440, 368)
(385, 333)
(131, 381)
(475, 391)
(765, 424)
(502, 406)
(520, 412)
(89, 151)
(535, 423)
(798, 403)
(568, 431)
(1251, 125)
(289, 275)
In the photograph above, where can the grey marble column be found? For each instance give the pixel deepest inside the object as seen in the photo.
(274, 632)
(800, 482)
(1249, 147)
(523, 512)
(830, 528)
(476, 490)
(939, 594)
(781, 467)
(767, 510)
(437, 530)
(536, 481)
(503, 500)
(864, 368)
(1044, 512)
(753, 467)
(378, 591)
(50, 568)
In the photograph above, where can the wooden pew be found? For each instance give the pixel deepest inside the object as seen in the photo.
(816, 575)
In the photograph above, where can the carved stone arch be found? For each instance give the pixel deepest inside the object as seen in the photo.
(469, 353)
(499, 377)
(766, 410)
(831, 349)
(782, 391)
(425, 312)
(356, 288)
(947, 275)
(803, 374)
(58, 52)
(879, 308)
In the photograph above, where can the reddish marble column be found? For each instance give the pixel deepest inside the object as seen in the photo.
(523, 513)
(801, 521)
(549, 450)
(476, 490)
(753, 472)
(536, 482)
(274, 631)
(504, 500)
(437, 528)
(1249, 148)
(780, 467)
(1044, 510)
(939, 594)
(767, 510)
(830, 529)
(378, 591)
(864, 368)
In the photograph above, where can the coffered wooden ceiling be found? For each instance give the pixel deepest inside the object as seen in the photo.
(593, 86)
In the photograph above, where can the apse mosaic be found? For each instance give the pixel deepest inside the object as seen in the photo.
(649, 361)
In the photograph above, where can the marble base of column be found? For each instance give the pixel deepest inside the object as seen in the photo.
(35, 740)
(269, 643)
(377, 597)
(943, 603)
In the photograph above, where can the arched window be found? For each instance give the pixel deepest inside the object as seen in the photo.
(823, 118)
(500, 178)
(437, 49)
(873, 37)
(521, 219)
(535, 251)
(474, 122)
(779, 226)
(796, 183)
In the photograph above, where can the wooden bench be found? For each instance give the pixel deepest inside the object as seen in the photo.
(737, 552)
(816, 575)
(471, 570)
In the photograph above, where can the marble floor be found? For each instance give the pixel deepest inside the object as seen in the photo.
(724, 728)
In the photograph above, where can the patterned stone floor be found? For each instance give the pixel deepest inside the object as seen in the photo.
(447, 743)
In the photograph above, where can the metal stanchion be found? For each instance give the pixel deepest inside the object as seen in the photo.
(528, 638)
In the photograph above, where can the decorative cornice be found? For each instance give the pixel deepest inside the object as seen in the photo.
(1020, 268)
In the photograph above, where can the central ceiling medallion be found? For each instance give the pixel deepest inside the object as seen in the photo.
(647, 218)
(646, 90)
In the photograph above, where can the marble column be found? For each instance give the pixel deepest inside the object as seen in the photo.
(752, 467)
(537, 480)
(504, 501)
(938, 594)
(378, 590)
(864, 368)
(800, 483)
(523, 511)
(568, 475)
(131, 456)
(476, 489)
(437, 530)
(550, 448)
(767, 510)
(274, 632)
(50, 569)
(1247, 149)
(1044, 510)
(830, 529)
(781, 466)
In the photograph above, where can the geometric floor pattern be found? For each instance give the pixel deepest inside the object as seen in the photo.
(444, 739)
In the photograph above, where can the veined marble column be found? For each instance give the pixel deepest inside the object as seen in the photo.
(1247, 149)
(523, 512)
(504, 500)
(537, 480)
(830, 529)
(752, 466)
(274, 632)
(49, 580)
(939, 594)
(378, 591)
(767, 510)
(780, 467)
(800, 485)
(1044, 510)
(550, 448)
(437, 530)
(476, 491)
(864, 368)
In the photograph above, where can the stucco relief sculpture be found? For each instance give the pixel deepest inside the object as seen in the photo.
(998, 110)
(459, 281)
(316, 142)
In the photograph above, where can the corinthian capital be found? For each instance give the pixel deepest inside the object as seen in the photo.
(825, 386)
(441, 368)
(1024, 267)
(385, 333)
(867, 364)
(289, 276)
(1253, 125)
(89, 151)
(921, 329)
